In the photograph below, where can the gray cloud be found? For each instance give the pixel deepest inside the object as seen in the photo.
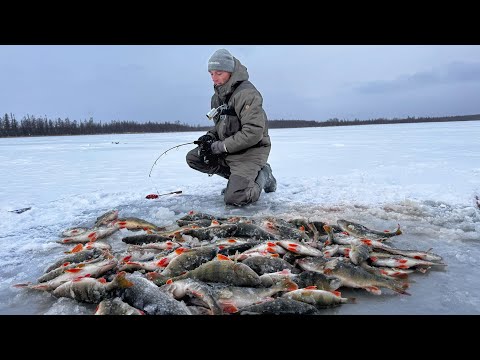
(453, 73)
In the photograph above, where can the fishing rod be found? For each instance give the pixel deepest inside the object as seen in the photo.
(155, 196)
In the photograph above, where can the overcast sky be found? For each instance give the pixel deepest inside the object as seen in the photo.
(171, 82)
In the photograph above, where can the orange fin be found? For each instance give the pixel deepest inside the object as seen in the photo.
(374, 290)
(222, 257)
(75, 270)
(77, 248)
(229, 308)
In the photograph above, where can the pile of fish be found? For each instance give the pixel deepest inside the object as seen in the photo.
(211, 265)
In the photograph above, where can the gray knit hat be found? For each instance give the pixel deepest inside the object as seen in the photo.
(221, 60)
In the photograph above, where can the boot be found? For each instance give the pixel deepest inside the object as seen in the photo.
(266, 180)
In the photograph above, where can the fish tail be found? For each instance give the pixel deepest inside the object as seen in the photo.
(22, 285)
(30, 285)
(350, 300)
(400, 287)
(120, 280)
(398, 231)
(287, 285)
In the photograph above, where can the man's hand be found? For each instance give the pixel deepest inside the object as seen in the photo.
(218, 147)
(204, 143)
(204, 139)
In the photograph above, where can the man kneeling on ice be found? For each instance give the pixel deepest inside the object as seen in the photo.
(238, 146)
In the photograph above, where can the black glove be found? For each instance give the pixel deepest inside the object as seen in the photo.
(205, 138)
(204, 143)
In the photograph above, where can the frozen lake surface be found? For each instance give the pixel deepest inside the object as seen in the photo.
(422, 176)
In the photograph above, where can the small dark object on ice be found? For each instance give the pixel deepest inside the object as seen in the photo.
(19, 211)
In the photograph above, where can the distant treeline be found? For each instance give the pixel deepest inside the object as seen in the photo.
(34, 126)
(278, 124)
